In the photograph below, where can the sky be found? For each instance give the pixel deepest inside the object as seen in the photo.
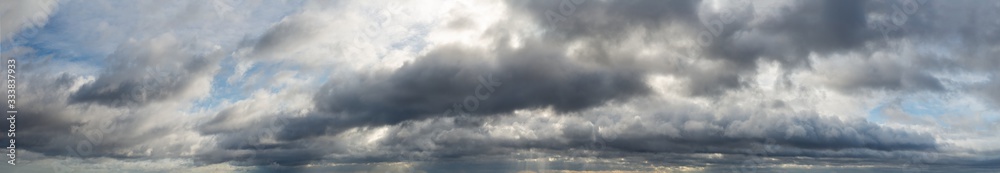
(504, 85)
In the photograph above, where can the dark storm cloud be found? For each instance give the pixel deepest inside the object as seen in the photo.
(969, 33)
(827, 27)
(692, 133)
(42, 119)
(954, 38)
(821, 26)
(665, 128)
(44, 122)
(243, 140)
(671, 130)
(52, 127)
(592, 19)
(537, 76)
(146, 72)
(603, 23)
(586, 90)
(789, 36)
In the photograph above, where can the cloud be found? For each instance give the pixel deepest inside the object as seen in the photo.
(150, 71)
(53, 127)
(657, 126)
(567, 85)
(20, 15)
(534, 77)
(593, 61)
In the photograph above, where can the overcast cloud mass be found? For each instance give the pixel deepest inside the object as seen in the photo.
(504, 86)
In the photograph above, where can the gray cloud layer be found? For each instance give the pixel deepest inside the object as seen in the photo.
(685, 82)
(534, 77)
(540, 75)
